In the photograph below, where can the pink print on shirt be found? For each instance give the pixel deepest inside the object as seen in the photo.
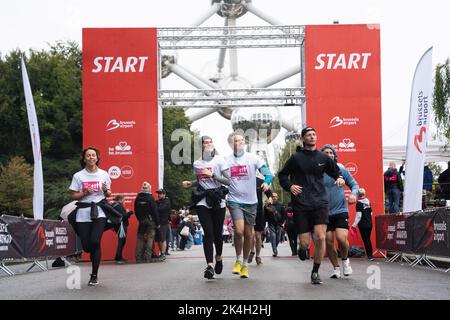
(239, 172)
(200, 175)
(94, 185)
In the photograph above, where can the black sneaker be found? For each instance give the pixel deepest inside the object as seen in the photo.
(218, 267)
(301, 254)
(250, 257)
(209, 272)
(315, 278)
(93, 281)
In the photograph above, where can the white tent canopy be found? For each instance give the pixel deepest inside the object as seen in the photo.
(434, 153)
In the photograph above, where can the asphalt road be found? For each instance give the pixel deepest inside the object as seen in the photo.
(181, 277)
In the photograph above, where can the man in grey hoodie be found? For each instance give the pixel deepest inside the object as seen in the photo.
(338, 215)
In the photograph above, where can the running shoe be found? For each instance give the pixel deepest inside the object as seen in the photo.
(258, 261)
(237, 267)
(250, 257)
(347, 269)
(218, 267)
(93, 281)
(244, 272)
(315, 278)
(301, 254)
(336, 273)
(209, 272)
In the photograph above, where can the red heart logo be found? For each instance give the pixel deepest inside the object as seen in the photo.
(123, 144)
(347, 141)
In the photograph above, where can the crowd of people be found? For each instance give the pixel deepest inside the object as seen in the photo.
(227, 200)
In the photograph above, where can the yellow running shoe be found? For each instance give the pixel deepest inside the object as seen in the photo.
(237, 267)
(244, 272)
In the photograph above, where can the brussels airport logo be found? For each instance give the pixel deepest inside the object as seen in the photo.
(346, 145)
(114, 124)
(121, 149)
(338, 121)
(119, 64)
(125, 172)
(42, 239)
(334, 61)
(419, 138)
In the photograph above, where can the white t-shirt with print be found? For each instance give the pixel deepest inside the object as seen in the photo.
(243, 177)
(217, 165)
(80, 182)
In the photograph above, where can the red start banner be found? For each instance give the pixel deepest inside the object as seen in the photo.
(120, 113)
(343, 100)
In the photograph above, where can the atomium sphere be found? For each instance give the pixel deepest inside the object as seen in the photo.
(262, 124)
(169, 57)
(231, 8)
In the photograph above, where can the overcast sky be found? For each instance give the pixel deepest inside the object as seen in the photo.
(408, 29)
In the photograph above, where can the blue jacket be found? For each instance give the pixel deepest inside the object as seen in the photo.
(336, 197)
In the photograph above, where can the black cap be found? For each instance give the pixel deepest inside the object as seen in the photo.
(161, 191)
(306, 130)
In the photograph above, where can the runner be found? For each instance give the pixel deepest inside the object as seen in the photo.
(338, 221)
(302, 176)
(212, 173)
(260, 224)
(90, 187)
(242, 200)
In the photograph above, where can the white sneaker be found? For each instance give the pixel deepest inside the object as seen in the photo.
(347, 269)
(336, 273)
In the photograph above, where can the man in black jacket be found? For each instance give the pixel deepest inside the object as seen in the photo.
(146, 212)
(393, 187)
(164, 209)
(444, 183)
(302, 176)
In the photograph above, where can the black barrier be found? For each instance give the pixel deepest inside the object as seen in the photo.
(11, 238)
(31, 239)
(429, 232)
(421, 233)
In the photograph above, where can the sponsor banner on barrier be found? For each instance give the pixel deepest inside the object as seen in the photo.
(343, 99)
(28, 238)
(392, 233)
(429, 233)
(48, 238)
(11, 237)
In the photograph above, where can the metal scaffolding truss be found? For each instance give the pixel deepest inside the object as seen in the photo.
(231, 37)
(225, 98)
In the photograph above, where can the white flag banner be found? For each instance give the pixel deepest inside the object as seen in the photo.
(419, 119)
(38, 190)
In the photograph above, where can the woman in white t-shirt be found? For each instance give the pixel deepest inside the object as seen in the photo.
(212, 172)
(91, 185)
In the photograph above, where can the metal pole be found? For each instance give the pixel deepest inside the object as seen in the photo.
(278, 78)
(233, 53)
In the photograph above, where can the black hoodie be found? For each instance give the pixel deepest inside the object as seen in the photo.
(392, 180)
(306, 169)
(147, 198)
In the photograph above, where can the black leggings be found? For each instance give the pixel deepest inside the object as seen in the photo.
(90, 234)
(365, 235)
(212, 224)
(292, 235)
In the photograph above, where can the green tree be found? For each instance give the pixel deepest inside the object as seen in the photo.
(174, 174)
(288, 150)
(441, 100)
(55, 79)
(16, 188)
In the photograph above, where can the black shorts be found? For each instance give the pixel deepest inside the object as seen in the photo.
(260, 221)
(305, 220)
(338, 221)
(161, 233)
